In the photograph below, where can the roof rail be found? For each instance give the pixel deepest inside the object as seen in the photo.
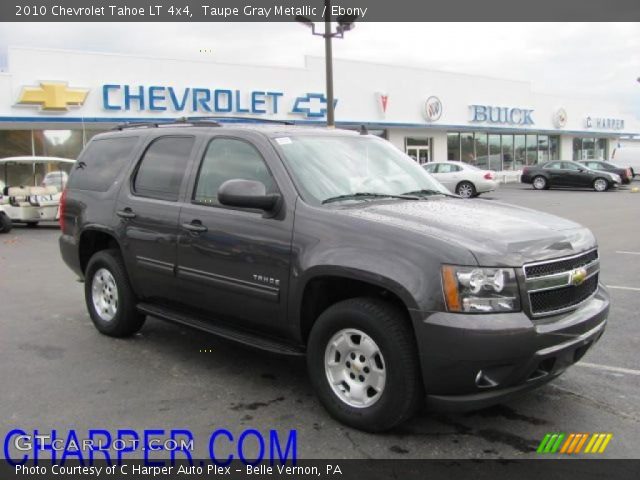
(122, 126)
(231, 119)
(177, 121)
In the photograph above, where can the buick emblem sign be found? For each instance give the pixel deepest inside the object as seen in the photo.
(432, 109)
(560, 118)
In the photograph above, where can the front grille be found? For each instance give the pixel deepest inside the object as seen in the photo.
(561, 298)
(563, 265)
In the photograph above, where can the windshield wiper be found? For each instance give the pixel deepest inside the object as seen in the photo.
(354, 196)
(425, 192)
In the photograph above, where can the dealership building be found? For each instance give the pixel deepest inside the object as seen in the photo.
(52, 102)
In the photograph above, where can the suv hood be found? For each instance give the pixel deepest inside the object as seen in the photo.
(497, 234)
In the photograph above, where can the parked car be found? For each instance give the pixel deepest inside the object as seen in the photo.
(602, 166)
(22, 199)
(464, 179)
(562, 173)
(334, 245)
(627, 157)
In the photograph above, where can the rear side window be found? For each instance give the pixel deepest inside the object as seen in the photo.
(99, 165)
(162, 168)
(228, 159)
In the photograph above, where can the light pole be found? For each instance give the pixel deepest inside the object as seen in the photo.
(345, 23)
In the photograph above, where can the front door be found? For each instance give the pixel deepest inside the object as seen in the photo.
(234, 263)
(420, 154)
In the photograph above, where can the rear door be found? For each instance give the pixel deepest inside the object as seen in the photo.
(557, 175)
(149, 209)
(233, 263)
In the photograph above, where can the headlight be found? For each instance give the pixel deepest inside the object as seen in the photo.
(480, 290)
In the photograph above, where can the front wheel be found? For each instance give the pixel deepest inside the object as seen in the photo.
(466, 189)
(109, 296)
(5, 223)
(363, 364)
(600, 185)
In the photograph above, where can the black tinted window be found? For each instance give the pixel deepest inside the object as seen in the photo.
(100, 163)
(162, 168)
(228, 159)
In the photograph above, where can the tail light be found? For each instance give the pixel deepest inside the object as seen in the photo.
(61, 208)
(628, 173)
(488, 176)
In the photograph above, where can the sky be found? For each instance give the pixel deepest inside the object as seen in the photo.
(576, 59)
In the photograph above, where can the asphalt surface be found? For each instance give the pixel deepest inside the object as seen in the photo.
(58, 372)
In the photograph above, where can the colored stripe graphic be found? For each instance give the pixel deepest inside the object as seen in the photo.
(573, 443)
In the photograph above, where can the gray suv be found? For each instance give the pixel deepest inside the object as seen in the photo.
(333, 245)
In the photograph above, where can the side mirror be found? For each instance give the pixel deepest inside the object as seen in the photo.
(247, 194)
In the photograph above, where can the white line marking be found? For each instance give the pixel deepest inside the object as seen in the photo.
(608, 368)
(628, 253)
(633, 289)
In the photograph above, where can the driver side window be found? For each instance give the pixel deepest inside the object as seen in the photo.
(228, 159)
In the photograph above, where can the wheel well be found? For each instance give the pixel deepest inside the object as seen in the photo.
(93, 241)
(322, 292)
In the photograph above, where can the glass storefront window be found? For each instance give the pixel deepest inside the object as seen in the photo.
(601, 149)
(58, 143)
(507, 152)
(588, 149)
(543, 148)
(453, 146)
(577, 149)
(467, 153)
(482, 152)
(520, 150)
(554, 148)
(15, 143)
(495, 155)
(532, 149)
(419, 149)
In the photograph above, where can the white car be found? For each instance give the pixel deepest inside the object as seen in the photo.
(464, 179)
(627, 157)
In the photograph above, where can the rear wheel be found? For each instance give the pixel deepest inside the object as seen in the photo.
(466, 189)
(363, 364)
(5, 223)
(539, 183)
(600, 185)
(109, 296)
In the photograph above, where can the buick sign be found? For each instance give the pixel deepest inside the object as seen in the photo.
(501, 115)
(432, 109)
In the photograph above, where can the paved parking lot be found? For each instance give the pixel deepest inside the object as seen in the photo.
(58, 372)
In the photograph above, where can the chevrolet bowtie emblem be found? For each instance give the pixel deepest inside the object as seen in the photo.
(53, 96)
(577, 276)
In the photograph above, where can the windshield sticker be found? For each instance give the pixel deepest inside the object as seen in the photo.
(284, 141)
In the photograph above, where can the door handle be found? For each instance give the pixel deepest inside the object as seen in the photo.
(195, 226)
(126, 213)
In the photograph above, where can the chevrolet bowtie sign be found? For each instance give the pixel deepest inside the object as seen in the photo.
(53, 96)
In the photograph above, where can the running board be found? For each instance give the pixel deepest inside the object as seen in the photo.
(241, 336)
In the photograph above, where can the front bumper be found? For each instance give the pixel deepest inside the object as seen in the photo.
(473, 361)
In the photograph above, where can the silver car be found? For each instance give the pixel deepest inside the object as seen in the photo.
(464, 179)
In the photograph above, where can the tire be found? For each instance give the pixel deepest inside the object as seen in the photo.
(114, 296)
(400, 393)
(32, 224)
(5, 223)
(466, 189)
(600, 185)
(540, 183)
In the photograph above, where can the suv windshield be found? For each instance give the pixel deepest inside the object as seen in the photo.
(332, 167)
